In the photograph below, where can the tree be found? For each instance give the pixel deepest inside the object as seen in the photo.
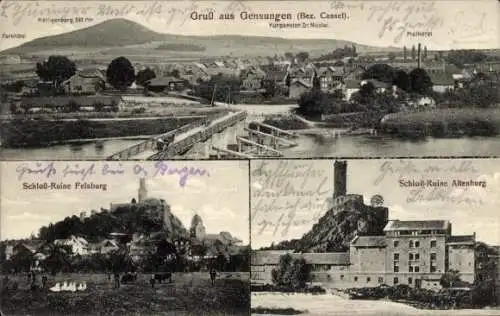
(120, 73)
(420, 82)
(425, 53)
(405, 53)
(289, 55)
(366, 94)
(175, 73)
(413, 53)
(58, 260)
(391, 56)
(144, 76)
(302, 56)
(381, 72)
(56, 69)
(401, 80)
(449, 278)
(291, 273)
(316, 82)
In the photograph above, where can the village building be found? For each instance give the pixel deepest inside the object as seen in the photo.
(442, 81)
(297, 88)
(78, 245)
(330, 78)
(165, 84)
(85, 82)
(415, 253)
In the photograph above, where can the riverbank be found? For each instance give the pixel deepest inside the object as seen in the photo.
(331, 304)
(451, 122)
(41, 133)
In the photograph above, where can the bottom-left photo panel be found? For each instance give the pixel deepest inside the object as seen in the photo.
(125, 238)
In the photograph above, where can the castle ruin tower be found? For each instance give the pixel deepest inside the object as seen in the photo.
(340, 179)
(143, 192)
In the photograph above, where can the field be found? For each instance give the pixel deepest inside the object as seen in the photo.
(189, 294)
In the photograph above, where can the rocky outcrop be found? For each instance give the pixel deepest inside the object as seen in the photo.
(335, 230)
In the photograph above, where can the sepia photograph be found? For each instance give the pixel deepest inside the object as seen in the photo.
(375, 237)
(91, 238)
(156, 80)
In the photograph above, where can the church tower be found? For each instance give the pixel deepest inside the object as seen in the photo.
(143, 192)
(340, 179)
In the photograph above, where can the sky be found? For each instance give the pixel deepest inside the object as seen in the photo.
(479, 215)
(454, 24)
(221, 199)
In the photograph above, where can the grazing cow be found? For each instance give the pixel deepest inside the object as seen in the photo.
(129, 277)
(160, 277)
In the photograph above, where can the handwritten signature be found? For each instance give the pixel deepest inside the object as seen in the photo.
(407, 167)
(85, 171)
(447, 195)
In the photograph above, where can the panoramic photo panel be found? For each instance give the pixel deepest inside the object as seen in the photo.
(375, 237)
(92, 238)
(162, 80)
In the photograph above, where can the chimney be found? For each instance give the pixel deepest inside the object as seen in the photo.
(418, 55)
(340, 179)
(143, 192)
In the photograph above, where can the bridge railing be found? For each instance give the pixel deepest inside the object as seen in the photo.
(151, 143)
(185, 144)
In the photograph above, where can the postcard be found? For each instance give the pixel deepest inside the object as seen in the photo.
(375, 237)
(145, 238)
(163, 80)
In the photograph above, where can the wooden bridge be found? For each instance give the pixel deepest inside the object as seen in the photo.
(180, 140)
(185, 142)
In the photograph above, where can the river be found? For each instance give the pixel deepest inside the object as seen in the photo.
(347, 146)
(328, 304)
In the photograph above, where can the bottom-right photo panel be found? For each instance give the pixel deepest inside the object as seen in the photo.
(375, 237)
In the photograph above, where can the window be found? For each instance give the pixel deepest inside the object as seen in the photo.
(417, 256)
(410, 280)
(433, 256)
(411, 243)
(417, 244)
(368, 279)
(396, 243)
(433, 244)
(396, 256)
(396, 268)
(433, 268)
(380, 280)
(410, 269)
(355, 279)
(417, 269)
(410, 256)
(342, 277)
(396, 280)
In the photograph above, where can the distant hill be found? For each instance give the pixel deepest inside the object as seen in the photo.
(122, 32)
(335, 230)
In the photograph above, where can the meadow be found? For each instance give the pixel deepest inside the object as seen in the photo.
(188, 294)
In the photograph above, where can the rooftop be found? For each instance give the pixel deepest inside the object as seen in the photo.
(369, 241)
(397, 225)
(461, 239)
